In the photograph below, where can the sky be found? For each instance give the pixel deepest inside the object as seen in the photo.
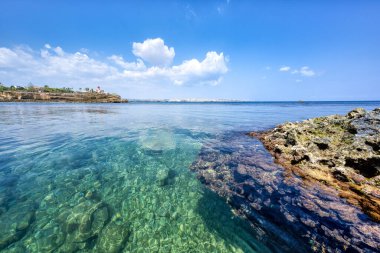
(285, 50)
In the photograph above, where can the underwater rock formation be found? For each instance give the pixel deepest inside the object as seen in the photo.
(113, 237)
(303, 215)
(157, 140)
(11, 231)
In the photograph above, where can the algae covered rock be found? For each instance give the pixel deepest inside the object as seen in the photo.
(165, 176)
(86, 220)
(113, 237)
(162, 177)
(48, 239)
(14, 223)
(318, 199)
(339, 151)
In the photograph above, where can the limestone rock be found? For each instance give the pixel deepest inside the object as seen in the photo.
(347, 153)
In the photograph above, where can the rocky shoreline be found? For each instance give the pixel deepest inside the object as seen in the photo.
(319, 193)
(342, 152)
(74, 97)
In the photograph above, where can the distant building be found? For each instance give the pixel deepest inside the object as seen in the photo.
(98, 90)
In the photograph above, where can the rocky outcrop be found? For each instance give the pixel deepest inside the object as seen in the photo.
(321, 191)
(342, 152)
(77, 97)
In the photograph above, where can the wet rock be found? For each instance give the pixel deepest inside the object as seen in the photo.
(303, 215)
(347, 157)
(356, 113)
(113, 237)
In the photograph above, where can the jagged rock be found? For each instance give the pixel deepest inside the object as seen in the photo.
(348, 150)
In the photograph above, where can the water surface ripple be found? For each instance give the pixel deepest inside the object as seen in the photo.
(116, 178)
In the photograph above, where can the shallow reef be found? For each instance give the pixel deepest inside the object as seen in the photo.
(109, 195)
(302, 215)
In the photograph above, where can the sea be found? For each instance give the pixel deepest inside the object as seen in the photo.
(115, 177)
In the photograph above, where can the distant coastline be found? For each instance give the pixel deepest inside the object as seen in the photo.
(240, 101)
(48, 94)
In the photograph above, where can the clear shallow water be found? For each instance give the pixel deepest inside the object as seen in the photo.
(115, 178)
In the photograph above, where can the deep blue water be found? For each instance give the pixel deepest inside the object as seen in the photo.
(90, 177)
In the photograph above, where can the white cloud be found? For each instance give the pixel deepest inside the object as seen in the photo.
(138, 65)
(284, 69)
(18, 57)
(54, 61)
(206, 71)
(154, 51)
(306, 71)
(303, 71)
(54, 66)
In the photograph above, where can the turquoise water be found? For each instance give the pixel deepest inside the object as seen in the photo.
(115, 177)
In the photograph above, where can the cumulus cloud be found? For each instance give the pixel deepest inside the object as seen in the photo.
(154, 51)
(284, 69)
(52, 65)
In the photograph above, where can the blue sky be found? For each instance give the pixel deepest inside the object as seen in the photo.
(248, 50)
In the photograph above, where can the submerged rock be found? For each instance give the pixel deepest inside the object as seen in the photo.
(165, 176)
(157, 141)
(86, 221)
(113, 237)
(14, 223)
(301, 215)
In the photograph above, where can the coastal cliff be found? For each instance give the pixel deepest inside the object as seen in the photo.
(318, 188)
(74, 97)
